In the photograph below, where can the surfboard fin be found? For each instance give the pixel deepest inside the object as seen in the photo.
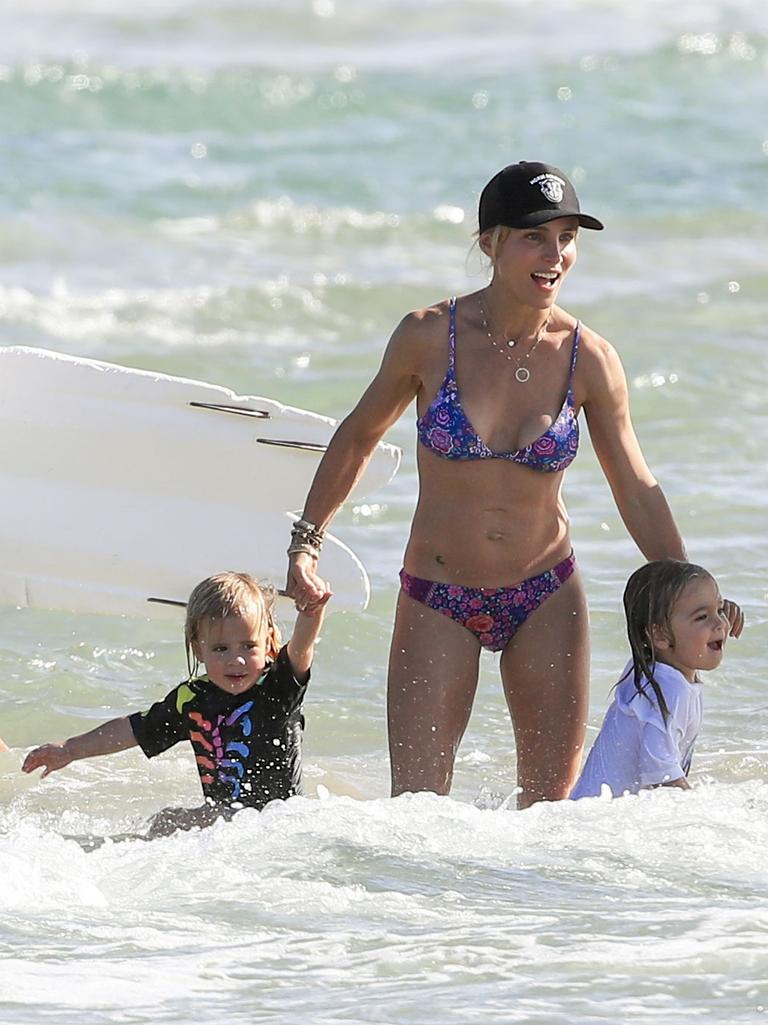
(260, 414)
(308, 446)
(182, 604)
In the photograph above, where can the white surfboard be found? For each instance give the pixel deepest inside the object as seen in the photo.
(123, 488)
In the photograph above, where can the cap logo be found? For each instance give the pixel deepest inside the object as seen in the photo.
(551, 186)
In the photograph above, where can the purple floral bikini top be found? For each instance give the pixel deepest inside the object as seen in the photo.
(446, 430)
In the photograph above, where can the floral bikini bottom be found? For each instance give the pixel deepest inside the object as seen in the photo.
(492, 614)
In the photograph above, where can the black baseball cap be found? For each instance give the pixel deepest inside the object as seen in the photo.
(527, 194)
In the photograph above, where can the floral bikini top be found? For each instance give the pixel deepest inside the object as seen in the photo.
(446, 430)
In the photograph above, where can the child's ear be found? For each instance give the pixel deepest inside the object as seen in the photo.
(197, 650)
(660, 639)
(271, 646)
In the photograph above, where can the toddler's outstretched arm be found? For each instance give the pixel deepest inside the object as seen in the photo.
(112, 736)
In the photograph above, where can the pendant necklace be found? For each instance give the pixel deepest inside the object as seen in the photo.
(522, 374)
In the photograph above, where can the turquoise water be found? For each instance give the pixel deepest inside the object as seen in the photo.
(253, 194)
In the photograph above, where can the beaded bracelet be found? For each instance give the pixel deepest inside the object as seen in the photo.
(306, 538)
(296, 548)
(304, 532)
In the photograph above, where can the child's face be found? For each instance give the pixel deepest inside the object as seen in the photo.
(234, 650)
(699, 630)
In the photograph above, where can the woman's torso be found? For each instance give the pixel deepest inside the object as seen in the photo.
(491, 453)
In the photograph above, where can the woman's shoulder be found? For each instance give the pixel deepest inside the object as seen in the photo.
(426, 323)
(421, 338)
(594, 346)
(599, 371)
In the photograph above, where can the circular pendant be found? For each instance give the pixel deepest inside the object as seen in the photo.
(522, 374)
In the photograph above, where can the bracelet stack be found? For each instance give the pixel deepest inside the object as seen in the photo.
(306, 537)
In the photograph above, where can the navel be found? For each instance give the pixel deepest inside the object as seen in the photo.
(493, 534)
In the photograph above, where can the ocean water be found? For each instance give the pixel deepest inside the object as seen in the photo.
(254, 193)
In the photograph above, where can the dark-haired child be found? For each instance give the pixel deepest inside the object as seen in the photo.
(677, 627)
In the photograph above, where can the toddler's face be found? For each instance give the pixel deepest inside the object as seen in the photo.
(699, 629)
(234, 650)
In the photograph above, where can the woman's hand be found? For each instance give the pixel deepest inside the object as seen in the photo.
(303, 583)
(735, 616)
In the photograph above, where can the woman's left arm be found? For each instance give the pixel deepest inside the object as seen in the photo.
(637, 494)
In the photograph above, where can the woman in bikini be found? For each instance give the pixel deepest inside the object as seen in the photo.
(500, 377)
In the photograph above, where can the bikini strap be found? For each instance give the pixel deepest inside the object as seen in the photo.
(574, 351)
(452, 335)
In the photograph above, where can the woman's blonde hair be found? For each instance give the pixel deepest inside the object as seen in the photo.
(230, 594)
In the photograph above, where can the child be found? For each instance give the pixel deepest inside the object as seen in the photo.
(676, 627)
(242, 717)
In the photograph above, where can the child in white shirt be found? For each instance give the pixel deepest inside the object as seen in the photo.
(676, 626)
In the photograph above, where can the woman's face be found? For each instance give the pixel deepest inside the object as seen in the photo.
(532, 262)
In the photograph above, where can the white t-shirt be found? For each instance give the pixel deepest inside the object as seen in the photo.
(635, 748)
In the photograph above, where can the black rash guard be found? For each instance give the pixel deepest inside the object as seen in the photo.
(247, 746)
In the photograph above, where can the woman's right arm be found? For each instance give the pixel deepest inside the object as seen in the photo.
(386, 398)
(112, 736)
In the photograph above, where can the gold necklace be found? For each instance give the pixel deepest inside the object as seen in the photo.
(522, 374)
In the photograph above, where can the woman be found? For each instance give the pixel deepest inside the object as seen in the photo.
(499, 377)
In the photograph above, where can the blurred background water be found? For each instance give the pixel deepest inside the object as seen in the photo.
(254, 193)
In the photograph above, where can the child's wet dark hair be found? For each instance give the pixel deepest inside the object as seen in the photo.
(649, 599)
(230, 594)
